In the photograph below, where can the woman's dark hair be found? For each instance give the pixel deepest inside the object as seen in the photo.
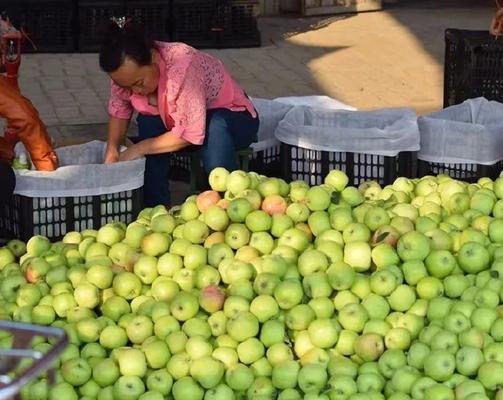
(118, 43)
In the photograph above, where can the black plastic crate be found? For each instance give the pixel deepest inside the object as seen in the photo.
(92, 16)
(240, 24)
(55, 216)
(473, 66)
(51, 25)
(313, 165)
(215, 23)
(267, 162)
(154, 15)
(463, 172)
(179, 166)
(196, 22)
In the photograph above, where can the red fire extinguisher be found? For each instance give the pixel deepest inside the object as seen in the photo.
(10, 46)
(10, 61)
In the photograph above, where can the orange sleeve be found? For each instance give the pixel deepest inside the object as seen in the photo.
(23, 119)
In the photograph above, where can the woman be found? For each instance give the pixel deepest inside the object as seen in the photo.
(183, 97)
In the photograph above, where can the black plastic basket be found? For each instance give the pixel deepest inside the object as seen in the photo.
(473, 66)
(153, 15)
(239, 24)
(55, 216)
(92, 16)
(463, 172)
(196, 22)
(313, 165)
(51, 25)
(267, 162)
(215, 23)
(179, 166)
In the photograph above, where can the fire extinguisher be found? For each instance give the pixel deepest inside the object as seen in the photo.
(11, 43)
(10, 46)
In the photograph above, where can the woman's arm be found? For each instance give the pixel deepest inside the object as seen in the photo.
(166, 143)
(117, 129)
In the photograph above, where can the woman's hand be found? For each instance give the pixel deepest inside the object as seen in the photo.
(131, 153)
(111, 156)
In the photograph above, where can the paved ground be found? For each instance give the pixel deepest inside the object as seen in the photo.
(371, 60)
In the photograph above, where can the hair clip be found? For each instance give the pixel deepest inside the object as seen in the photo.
(120, 21)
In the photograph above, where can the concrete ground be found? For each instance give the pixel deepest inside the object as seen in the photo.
(388, 58)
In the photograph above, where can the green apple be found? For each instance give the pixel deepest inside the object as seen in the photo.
(383, 282)
(28, 295)
(156, 243)
(237, 182)
(317, 198)
(17, 247)
(184, 306)
(417, 354)
(243, 326)
(298, 212)
(280, 224)
(440, 263)
(490, 374)
(353, 317)
(128, 388)
(76, 371)
(43, 314)
(110, 234)
(337, 179)
(439, 365)
(127, 285)
(390, 361)
(342, 387)
(218, 179)
(37, 245)
(237, 235)
(356, 232)
(473, 257)
(115, 307)
(482, 202)
(384, 255)
(239, 377)
(358, 255)
(294, 238)
(100, 276)
(340, 275)
(312, 377)
(272, 332)
(62, 390)
(397, 338)
(376, 217)
(131, 361)
(369, 346)
(340, 218)
(352, 196)
(429, 287)
(106, 372)
(413, 246)
(288, 293)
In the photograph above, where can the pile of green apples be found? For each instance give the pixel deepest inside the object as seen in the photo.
(263, 289)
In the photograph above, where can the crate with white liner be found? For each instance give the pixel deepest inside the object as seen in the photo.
(464, 141)
(83, 193)
(367, 145)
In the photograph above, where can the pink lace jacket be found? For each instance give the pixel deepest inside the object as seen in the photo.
(190, 83)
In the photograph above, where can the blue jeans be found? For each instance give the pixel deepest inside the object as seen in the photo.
(226, 132)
